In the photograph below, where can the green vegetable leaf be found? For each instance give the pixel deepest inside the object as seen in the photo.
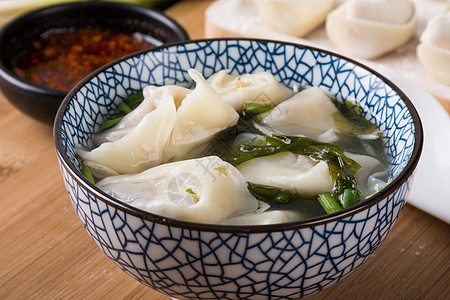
(342, 168)
(350, 119)
(269, 193)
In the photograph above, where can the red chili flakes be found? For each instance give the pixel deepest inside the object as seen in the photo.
(60, 60)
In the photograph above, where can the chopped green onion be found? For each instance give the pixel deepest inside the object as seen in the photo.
(329, 204)
(222, 169)
(253, 108)
(88, 174)
(110, 123)
(124, 107)
(134, 99)
(282, 198)
(348, 198)
(194, 195)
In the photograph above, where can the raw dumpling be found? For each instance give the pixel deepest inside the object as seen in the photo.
(386, 11)
(294, 172)
(169, 122)
(294, 17)
(434, 49)
(371, 28)
(205, 190)
(259, 88)
(200, 117)
(309, 113)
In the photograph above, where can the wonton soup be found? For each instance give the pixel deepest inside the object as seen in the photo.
(237, 150)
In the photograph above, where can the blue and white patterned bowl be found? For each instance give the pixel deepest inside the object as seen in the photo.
(198, 261)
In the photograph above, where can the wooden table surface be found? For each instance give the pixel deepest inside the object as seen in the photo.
(46, 253)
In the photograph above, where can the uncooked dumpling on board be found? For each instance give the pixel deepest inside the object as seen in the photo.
(294, 17)
(204, 190)
(434, 49)
(257, 88)
(370, 28)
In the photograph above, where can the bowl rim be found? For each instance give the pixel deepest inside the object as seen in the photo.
(240, 229)
(7, 75)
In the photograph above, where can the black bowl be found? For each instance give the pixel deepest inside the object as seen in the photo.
(42, 103)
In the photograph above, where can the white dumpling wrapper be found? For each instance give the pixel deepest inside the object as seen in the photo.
(142, 146)
(263, 218)
(386, 11)
(202, 114)
(152, 95)
(294, 172)
(369, 166)
(267, 217)
(169, 122)
(365, 29)
(433, 51)
(258, 88)
(294, 17)
(308, 113)
(205, 190)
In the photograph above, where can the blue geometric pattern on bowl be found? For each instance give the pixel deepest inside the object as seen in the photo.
(191, 261)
